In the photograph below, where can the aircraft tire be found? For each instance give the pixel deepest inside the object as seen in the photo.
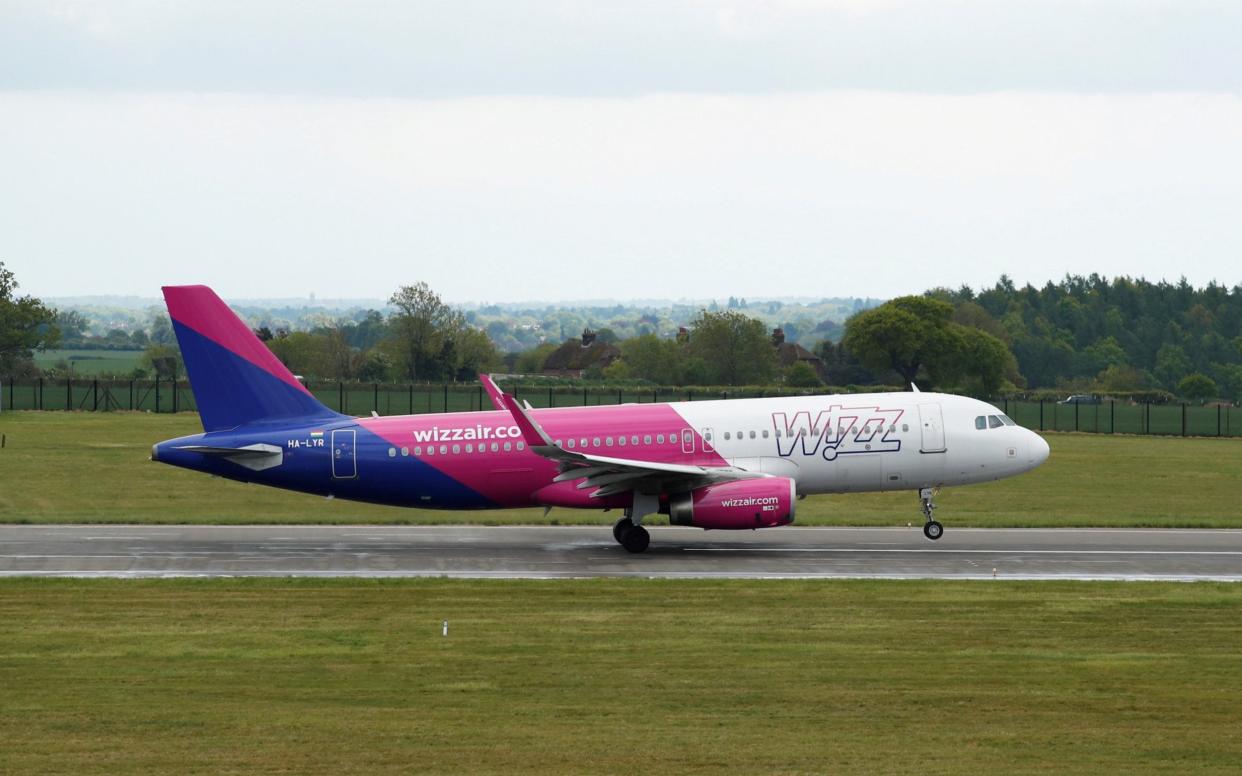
(636, 539)
(933, 530)
(620, 527)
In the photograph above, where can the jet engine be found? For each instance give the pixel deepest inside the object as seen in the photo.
(757, 503)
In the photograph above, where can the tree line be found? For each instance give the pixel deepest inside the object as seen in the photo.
(1082, 334)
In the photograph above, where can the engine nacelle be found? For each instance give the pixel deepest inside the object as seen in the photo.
(757, 503)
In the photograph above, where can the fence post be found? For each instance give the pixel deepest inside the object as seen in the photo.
(375, 397)
(131, 395)
(1218, 420)
(1183, 418)
(584, 398)
(1147, 417)
(1041, 414)
(95, 395)
(479, 393)
(1076, 405)
(340, 396)
(620, 398)
(157, 393)
(68, 393)
(40, 393)
(550, 400)
(1112, 416)
(446, 396)
(174, 390)
(411, 387)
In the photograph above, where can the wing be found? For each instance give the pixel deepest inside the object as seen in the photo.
(618, 475)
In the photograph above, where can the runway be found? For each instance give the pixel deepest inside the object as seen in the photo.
(581, 552)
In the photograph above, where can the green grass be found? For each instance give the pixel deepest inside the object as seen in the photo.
(89, 363)
(94, 467)
(618, 676)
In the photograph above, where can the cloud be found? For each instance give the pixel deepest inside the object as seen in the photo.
(669, 195)
(456, 48)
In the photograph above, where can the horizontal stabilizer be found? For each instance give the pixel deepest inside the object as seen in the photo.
(255, 457)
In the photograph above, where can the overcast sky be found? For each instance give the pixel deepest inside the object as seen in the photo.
(509, 151)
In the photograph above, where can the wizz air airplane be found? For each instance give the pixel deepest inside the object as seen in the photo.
(728, 465)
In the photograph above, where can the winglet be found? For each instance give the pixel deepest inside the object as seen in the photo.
(493, 391)
(531, 432)
(914, 387)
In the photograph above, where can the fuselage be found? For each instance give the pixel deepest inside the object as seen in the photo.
(479, 460)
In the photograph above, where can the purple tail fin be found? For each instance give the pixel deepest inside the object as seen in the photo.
(236, 380)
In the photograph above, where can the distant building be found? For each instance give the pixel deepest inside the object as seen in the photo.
(791, 352)
(576, 356)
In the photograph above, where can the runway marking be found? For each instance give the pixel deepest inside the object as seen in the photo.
(951, 551)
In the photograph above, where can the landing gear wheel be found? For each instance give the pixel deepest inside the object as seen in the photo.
(620, 527)
(636, 539)
(933, 530)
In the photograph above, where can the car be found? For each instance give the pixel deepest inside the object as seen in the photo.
(1080, 398)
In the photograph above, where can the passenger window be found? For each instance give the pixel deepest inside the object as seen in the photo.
(582, 442)
(981, 423)
(521, 445)
(595, 442)
(634, 439)
(508, 447)
(994, 421)
(620, 440)
(659, 439)
(456, 449)
(405, 452)
(707, 437)
(765, 433)
(431, 450)
(726, 436)
(495, 447)
(392, 452)
(646, 439)
(571, 444)
(469, 447)
(752, 435)
(905, 426)
(418, 451)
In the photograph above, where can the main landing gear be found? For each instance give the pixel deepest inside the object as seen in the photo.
(931, 529)
(632, 537)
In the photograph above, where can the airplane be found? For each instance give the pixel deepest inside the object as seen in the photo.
(720, 465)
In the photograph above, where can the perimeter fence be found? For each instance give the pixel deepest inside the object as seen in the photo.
(1106, 417)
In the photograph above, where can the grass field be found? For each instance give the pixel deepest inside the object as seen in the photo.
(89, 363)
(346, 676)
(94, 467)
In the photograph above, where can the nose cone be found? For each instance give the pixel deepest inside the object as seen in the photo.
(1037, 448)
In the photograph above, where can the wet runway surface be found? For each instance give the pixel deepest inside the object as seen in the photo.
(575, 552)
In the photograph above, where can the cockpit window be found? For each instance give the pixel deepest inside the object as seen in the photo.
(1008, 421)
(981, 422)
(994, 421)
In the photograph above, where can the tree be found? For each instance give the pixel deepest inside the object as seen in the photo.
(1197, 387)
(421, 333)
(531, 361)
(26, 325)
(733, 348)
(800, 374)
(907, 334)
(650, 358)
(986, 359)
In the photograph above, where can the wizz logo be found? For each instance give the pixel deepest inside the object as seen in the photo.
(836, 431)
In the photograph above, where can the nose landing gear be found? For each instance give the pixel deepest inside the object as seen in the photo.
(931, 529)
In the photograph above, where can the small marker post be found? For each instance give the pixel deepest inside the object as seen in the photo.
(993, 573)
(444, 629)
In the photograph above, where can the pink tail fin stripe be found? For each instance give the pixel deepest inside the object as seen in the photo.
(200, 309)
